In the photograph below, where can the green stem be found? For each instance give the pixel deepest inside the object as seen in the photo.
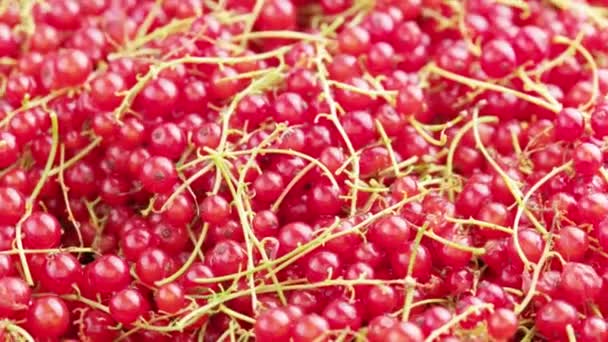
(410, 281)
(29, 204)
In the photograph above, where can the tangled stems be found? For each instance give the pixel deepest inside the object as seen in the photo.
(474, 83)
(457, 319)
(459, 12)
(29, 204)
(389, 147)
(37, 102)
(134, 45)
(239, 199)
(77, 157)
(279, 34)
(262, 83)
(308, 247)
(535, 277)
(221, 298)
(333, 117)
(592, 12)
(295, 180)
(513, 188)
(525, 199)
(326, 236)
(47, 251)
(410, 283)
(22, 334)
(448, 171)
(426, 136)
(592, 64)
(91, 303)
(64, 191)
(154, 71)
(561, 58)
(27, 24)
(480, 223)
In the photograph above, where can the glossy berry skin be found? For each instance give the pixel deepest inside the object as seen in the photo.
(498, 58)
(104, 90)
(404, 331)
(273, 325)
(226, 257)
(153, 265)
(599, 121)
(569, 124)
(158, 175)
(341, 314)
(9, 150)
(265, 223)
(41, 230)
(167, 140)
(572, 243)
(230, 141)
(72, 67)
(12, 205)
(127, 306)
(215, 209)
(379, 326)
(380, 300)
(97, 326)
(390, 232)
(48, 317)
(322, 265)
(587, 159)
(61, 272)
(170, 298)
(502, 324)
(553, 317)
(593, 329)
(579, 283)
(268, 186)
(158, 98)
(292, 235)
(108, 274)
(15, 296)
(411, 101)
(531, 43)
(399, 261)
(435, 317)
(277, 15)
(310, 327)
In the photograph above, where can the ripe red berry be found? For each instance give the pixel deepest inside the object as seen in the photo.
(170, 298)
(389, 232)
(341, 314)
(502, 324)
(108, 274)
(569, 124)
(226, 257)
(553, 318)
(274, 324)
(587, 159)
(579, 283)
(15, 296)
(41, 230)
(158, 175)
(48, 317)
(498, 58)
(127, 306)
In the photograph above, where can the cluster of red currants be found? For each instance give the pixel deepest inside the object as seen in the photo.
(293, 170)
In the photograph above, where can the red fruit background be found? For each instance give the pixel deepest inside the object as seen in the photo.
(292, 170)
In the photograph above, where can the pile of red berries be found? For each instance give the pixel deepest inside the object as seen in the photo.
(293, 170)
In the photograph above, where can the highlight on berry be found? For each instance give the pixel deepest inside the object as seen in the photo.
(304, 170)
